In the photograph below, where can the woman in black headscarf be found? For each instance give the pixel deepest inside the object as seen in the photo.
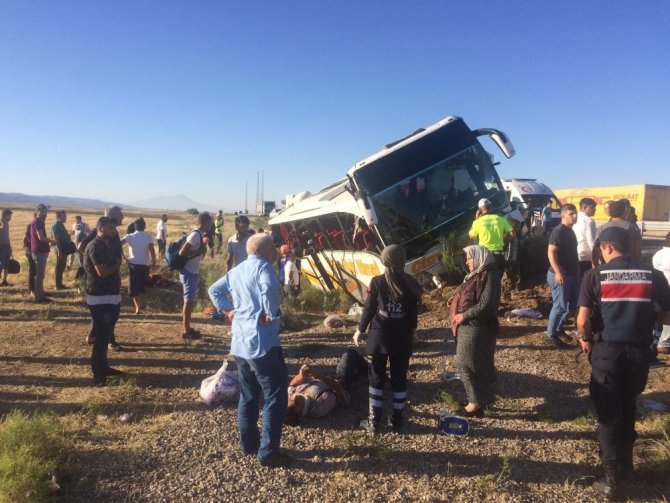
(391, 313)
(474, 323)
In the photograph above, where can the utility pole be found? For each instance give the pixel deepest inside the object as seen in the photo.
(246, 193)
(258, 178)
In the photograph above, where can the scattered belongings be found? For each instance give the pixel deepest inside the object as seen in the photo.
(334, 321)
(224, 386)
(650, 404)
(356, 310)
(523, 313)
(451, 376)
(453, 425)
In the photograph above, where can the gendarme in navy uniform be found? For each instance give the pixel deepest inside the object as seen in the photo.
(625, 294)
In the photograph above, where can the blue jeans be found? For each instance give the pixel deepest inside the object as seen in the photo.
(564, 298)
(103, 320)
(269, 375)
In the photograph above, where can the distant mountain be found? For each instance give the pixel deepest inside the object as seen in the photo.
(78, 202)
(179, 202)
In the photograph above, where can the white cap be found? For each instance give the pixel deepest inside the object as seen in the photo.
(483, 202)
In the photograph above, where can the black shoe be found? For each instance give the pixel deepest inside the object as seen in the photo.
(371, 427)
(114, 372)
(43, 300)
(4, 283)
(191, 335)
(276, 460)
(557, 343)
(395, 422)
(99, 383)
(607, 485)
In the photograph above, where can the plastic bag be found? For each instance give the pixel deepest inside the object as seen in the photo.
(356, 310)
(523, 313)
(224, 386)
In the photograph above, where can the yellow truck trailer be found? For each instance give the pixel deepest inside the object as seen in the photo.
(651, 202)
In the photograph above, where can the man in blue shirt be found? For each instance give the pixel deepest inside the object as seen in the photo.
(249, 296)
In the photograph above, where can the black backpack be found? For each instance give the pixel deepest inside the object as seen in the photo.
(173, 260)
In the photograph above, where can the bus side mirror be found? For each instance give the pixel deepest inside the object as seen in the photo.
(499, 138)
(504, 144)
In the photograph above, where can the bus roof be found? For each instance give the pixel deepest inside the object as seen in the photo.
(397, 145)
(333, 199)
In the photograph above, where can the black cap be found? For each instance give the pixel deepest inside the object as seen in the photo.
(615, 234)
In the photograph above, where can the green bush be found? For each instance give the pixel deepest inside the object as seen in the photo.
(192, 211)
(210, 272)
(29, 450)
(310, 298)
(452, 257)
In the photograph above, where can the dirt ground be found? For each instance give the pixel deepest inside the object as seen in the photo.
(537, 443)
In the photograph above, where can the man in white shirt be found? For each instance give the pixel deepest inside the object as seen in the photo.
(585, 230)
(141, 256)
(194, 248)
(237, 243)
(291, 276)
(161, 235)
(661, 261)
(80, 230)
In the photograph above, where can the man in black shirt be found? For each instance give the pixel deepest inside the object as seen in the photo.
(102, 258)
(624, 294)
(115, 214)
(562, 274)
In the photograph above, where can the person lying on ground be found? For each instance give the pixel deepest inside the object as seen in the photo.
(311, 394)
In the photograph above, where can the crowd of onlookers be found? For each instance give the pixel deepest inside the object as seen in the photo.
(620, 307)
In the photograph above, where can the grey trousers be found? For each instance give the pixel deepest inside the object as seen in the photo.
(40, 270)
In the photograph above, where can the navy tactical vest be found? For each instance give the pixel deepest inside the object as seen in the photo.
(624, 289)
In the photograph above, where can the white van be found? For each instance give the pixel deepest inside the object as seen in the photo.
(529, 196)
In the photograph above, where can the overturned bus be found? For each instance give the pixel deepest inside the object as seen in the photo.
(410, 193)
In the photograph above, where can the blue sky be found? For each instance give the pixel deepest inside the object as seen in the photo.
(127, 100)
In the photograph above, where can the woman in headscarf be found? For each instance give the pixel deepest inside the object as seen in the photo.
(474, 322)
(391, 313)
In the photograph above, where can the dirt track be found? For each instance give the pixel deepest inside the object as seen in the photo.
(535, 445)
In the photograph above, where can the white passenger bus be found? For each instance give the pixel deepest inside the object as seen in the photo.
(411, 192)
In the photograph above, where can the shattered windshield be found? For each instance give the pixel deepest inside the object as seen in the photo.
(413, 209)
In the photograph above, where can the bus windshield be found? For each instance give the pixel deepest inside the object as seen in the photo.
(414, 210)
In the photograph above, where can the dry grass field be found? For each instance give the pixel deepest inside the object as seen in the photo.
(538, 442)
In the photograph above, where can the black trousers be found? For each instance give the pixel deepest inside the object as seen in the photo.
(399, 364)
(618, 375)
(103, 320)
(61, 263)
(351, 366)
(137, 279)
(500, 261)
